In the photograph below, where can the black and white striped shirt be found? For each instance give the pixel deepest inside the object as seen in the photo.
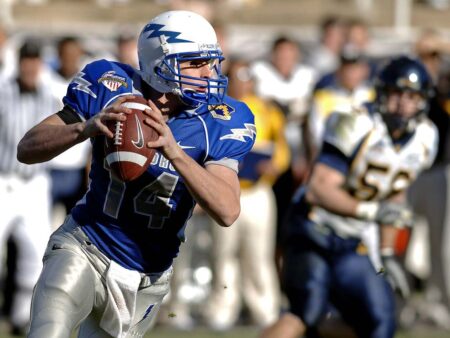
(19, 111)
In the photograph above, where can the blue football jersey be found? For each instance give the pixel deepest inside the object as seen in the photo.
(141, 223)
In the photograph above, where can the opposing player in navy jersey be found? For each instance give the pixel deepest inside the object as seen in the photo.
(108, 266)
(367, 161)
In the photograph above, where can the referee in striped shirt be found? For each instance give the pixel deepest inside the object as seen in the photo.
(24, 189)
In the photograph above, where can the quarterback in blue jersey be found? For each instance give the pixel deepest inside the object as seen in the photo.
(108, 266)
(368, 159)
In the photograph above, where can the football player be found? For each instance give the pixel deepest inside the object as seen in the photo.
(367, 161)
(109, 265)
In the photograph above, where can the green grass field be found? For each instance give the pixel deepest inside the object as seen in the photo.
(250, 332)
(246, 332)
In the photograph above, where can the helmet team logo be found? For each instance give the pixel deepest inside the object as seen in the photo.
(112, 81)
(222, 112)
(140, 141)
(157, 30)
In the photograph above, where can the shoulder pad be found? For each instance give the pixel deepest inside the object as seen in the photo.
(345, 131)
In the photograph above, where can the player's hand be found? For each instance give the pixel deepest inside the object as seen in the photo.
(96, 125)
(166, 142)
(396, 275)
(395, 214)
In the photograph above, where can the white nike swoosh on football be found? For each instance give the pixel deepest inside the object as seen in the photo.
(140, 141)
(185, 147)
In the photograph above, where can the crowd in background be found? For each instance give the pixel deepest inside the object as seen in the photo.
(227, 276)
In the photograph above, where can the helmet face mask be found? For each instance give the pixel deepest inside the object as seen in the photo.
(175, 38)
(403, 89)
(212, 89)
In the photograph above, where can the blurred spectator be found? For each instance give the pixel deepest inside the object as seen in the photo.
(358, 36)
(286, 81)
(343, 91)
(127, 49)
(359, 39)
(243, 265)
(70, 59)
(68, 170)
(24, 189)
(325, 57)
(70, 55)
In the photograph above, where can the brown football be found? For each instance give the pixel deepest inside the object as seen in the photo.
(127, 153)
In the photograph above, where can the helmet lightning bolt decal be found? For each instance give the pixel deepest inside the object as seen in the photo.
(171, 36)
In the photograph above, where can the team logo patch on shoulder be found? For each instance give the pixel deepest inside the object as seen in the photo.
(222, 112)
(112, 81)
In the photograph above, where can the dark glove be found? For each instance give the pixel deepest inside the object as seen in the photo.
(395, 275)
(396, 214)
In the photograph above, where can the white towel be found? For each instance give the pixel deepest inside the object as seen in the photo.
(122, 286)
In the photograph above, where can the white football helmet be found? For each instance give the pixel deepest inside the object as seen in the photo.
(173, 37)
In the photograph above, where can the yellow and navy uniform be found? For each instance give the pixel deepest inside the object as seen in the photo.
(270, 139)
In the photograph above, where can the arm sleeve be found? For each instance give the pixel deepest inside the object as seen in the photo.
(334, 158)
(231, 140)
(69, 116)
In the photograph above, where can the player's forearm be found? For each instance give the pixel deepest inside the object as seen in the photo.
(45, 141)
(326, 190)
(333, 199)
(212, 193)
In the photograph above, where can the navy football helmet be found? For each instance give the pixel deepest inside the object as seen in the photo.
(403, 74)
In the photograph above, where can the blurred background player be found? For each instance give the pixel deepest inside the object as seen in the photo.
(344, 90)
(366, 162)
(243, 267)
(25, 190)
